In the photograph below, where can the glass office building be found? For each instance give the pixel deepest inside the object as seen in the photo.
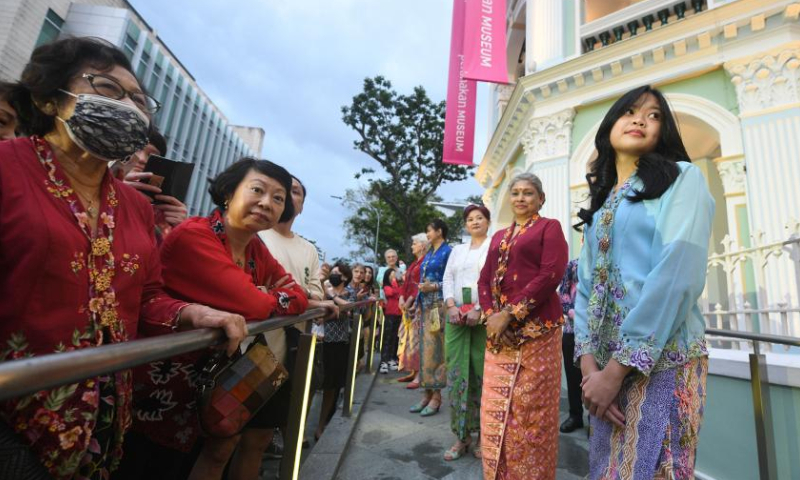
(195, 129)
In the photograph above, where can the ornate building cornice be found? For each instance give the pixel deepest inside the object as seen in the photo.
(766, 80)
(686, 47)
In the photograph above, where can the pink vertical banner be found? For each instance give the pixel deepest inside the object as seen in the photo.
(459, 117)
(485, 41)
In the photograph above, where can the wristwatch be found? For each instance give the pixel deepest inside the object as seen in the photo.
(477, 307)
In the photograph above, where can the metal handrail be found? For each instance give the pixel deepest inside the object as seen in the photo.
(759, 385)
(755, 337)
(30, 375)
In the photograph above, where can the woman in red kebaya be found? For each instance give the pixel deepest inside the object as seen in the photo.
(522, 366)
(78, 263)
(218, 260)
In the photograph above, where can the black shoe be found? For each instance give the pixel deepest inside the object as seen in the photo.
(571, 424)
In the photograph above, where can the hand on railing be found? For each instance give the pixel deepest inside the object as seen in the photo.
(331, 309)
(199, 316)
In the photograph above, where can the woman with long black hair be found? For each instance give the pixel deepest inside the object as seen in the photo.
(639, 334)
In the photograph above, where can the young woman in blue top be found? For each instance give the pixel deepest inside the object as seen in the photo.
(639, 335)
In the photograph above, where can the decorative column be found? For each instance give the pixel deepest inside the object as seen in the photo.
(490, 198)
(544, 39)
(732, 172)
(546, 143)
(768, 91)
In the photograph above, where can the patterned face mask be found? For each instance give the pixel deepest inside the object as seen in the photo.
(106, 128)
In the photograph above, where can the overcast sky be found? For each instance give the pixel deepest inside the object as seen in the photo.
(288, 66)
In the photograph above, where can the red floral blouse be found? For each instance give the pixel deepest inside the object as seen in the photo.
(64, 288)
(199, 267)
(521, 275)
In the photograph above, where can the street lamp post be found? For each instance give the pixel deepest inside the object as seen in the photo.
(377, 227)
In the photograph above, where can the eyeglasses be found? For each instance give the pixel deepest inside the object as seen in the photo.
(109, 87)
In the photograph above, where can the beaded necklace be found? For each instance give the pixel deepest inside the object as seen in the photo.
(100, 263)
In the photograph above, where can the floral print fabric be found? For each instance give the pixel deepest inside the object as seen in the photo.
(67, 288)
(519, 410)
(640, 273)
(433, 369)
(464, 348)
(663, 413)
(567, 291)
(521, 275)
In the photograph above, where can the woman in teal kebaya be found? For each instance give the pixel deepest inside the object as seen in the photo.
(639, 333)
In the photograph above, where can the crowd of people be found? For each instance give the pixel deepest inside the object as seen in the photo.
(87, 258)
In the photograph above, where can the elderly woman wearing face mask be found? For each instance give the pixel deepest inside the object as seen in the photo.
(78, 263)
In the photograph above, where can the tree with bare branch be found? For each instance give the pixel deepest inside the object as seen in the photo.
(404, 135)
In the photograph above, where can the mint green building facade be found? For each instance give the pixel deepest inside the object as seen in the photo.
(731, 72)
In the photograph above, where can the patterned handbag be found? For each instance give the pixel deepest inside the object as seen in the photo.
(231, 390)
(17, 461)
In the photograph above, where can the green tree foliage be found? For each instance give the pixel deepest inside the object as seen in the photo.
(360, 226)
(403, 134)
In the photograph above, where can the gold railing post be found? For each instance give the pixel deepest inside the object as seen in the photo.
(371, 359)
(296, 423)
(765, 439)
(352, 362)
(383, 317)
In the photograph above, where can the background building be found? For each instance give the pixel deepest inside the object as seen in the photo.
(195, 129)
(731, 71)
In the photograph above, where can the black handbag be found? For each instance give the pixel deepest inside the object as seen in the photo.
(17, 462)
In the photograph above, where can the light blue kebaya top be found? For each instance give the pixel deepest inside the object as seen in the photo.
(640, 273)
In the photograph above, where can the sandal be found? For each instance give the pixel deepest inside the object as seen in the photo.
(454, 453)
(476, 452)
(412, 386)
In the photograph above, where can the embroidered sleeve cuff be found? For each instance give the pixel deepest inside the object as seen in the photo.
(174, 323)
(581, 349)
(642, 357)
(284, 301)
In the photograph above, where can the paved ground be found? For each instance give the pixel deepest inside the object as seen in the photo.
(270, 467)
(392, 444)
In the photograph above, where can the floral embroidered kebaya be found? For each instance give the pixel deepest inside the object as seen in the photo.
(520, 276)
(639, 279)
(198, 267)
(62, 288)
(521, 384)
(568, 290)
